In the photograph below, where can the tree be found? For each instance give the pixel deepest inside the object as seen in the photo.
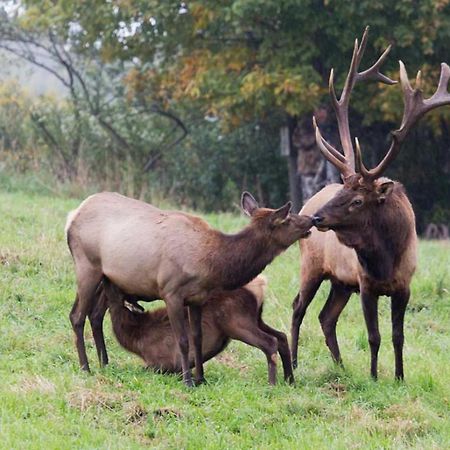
(255, 62)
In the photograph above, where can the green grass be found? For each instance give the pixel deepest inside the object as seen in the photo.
(46, 402)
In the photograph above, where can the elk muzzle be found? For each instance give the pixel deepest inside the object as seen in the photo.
(304, 224)
(317, 221)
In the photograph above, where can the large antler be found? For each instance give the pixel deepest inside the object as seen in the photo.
(346, 163)
(415, 107)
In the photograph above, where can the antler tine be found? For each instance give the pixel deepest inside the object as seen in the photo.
(373, 73)
(360, 167)
(353, 76)
(441, 97)
(331, 154)
(341, 106)
(362, 47)
(415, 107)
(404, 79)
(332, 91)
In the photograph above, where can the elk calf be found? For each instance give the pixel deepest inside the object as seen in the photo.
(226, 315)
(154, 254)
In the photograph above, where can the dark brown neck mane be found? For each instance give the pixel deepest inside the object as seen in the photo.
(243, 256)
(381, 241)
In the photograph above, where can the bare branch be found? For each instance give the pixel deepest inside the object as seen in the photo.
(179, 124)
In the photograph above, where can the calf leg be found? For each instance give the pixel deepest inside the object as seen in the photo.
(337, 299)
(399, 301)
(250, 333)
(195, 319)
(84, 301)
(96, 319)
(370, 309)
(175, 311)
(283, 349)
(300, 304)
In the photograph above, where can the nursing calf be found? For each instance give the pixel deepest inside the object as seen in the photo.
(226, 315)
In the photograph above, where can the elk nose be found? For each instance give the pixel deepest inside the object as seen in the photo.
(316, 220)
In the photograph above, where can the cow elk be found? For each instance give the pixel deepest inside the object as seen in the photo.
(226, 315)
(368, 240)
(154, 254)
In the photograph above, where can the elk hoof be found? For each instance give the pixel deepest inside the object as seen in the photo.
(200, 381)
(290, 379)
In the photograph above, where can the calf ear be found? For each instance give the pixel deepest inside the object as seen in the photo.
(384, 189)
(281, 214)
(248, 204)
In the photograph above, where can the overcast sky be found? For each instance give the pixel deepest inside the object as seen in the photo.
(37, 81)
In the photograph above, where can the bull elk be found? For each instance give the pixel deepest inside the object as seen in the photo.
(369, 240)
(154, 254)
(226, 315)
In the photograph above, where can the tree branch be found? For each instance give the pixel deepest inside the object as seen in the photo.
(152, 160)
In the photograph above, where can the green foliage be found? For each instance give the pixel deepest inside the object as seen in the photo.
(210, 169)
(47, 402)
(244, 58)
(16, 132)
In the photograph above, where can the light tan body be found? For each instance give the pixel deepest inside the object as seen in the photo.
(322, 252)
(136, 244)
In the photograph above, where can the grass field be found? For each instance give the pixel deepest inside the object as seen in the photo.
(46, 402)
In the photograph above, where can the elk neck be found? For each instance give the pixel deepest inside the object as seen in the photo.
(384, 236)
(241, 257)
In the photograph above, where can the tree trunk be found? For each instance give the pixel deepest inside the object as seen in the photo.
(295, 189)
(295, 182)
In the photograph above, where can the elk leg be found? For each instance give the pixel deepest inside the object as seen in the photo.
(300, 304)
(283, 349)
(195, 319)
(370, 309)
(78, 321)
(96, 319)
(175, 311)
(328, 317)
(250, 333)
(399, 301)
(85, 298)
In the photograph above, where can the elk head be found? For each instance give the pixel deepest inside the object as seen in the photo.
(279, 225)
(365, 191)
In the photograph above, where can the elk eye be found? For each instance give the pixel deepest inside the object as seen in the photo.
(357, 202)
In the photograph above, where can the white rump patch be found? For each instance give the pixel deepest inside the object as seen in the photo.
(72, 214)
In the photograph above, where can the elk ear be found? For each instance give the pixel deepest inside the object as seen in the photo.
(248, 203)
(384, 189)
(280, 215)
